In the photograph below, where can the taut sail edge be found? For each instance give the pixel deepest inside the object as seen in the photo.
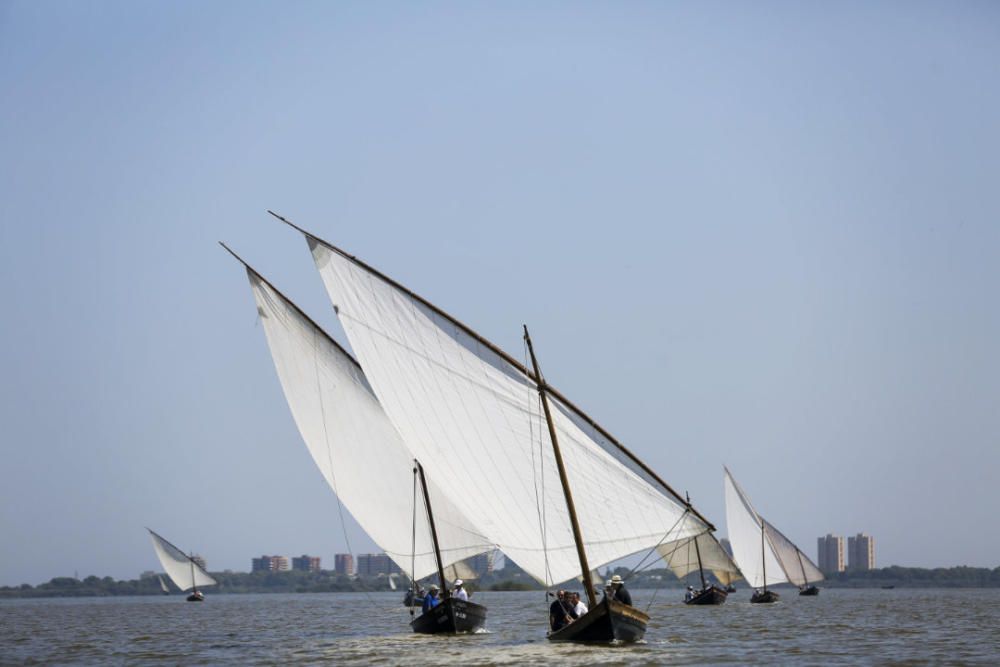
(291, 303)
(507, 358)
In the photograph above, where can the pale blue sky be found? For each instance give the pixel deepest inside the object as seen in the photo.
(759, 234)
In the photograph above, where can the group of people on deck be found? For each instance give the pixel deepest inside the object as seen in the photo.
(433, 597)
(568, 606)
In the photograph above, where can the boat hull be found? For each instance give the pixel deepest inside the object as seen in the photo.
(196, 596)
(809, 591)
(451, 617)
(711, 595)
(608, 621)
(766, 597)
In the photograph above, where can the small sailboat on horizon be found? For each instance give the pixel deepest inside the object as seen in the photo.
(163, 585)
(764, 554)
(182, 569)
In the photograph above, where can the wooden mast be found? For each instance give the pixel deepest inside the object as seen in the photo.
(697, 551)
(803, 566)
(419, 469)
(763, 556)
(506, 357)
(588, 583)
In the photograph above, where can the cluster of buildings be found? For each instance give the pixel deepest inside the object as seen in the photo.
(366, 565)
(302, 563)
(860, 553)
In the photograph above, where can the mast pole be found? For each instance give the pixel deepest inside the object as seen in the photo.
(763, 557)
(697, 551)
(588, 583)
(802, 565)
(419, 469)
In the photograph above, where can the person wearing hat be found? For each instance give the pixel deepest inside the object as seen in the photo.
(432, 600)
(458, 592)
(620, 593)
(690, 594)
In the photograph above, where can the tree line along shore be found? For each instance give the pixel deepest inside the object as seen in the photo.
(508, 579)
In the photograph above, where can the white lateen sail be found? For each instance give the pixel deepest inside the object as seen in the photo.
(458, 401)
(355, 446)
(683, 556)
(181, 569)
(758, 548)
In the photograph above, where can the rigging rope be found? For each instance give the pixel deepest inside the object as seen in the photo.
(329, 457)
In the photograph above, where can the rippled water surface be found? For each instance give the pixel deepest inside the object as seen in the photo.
(838, 627)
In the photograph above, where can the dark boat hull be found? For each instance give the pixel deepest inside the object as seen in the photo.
(452, 617)
(764, 598)
(608, 621)
(196, 597)
(711, 595)
(809, 590)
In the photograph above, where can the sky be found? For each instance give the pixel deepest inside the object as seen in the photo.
(761, 235)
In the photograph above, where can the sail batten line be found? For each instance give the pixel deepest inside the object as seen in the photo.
(503, 355)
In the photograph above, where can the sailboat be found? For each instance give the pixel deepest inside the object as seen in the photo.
(764, 555)
(181, 568)
(481, 416)
(701, 553)
(163, 585)
(451, 614)
(360, 454)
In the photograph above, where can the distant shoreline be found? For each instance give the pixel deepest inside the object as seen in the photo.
(509, 579)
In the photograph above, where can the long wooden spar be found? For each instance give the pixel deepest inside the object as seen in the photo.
(503, 355)
(581, 553)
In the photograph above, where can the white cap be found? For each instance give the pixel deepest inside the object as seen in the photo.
(459, 582)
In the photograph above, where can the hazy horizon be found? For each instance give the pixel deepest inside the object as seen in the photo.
(764, 236)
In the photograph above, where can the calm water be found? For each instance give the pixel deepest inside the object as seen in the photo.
(838, 627)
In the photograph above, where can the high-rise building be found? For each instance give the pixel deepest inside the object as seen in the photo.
(306, 563)
(200, 560)
(861, 552)
(481, 564)
(269, 564)
(831, 553)
(343, 564)
(372, 565)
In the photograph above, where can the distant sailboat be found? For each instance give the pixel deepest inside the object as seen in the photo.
(361, 455)
(481, 416)
(764, 555)
(163, 585)
(181, 568)
(698, 554)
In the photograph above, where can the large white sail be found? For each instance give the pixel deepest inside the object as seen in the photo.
(751, 551)
(352, 442)
(798, 568)
(459, 403)
(682, 557)
(183, 571)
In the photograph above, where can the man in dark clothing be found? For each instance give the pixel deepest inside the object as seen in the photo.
(560, 613)
(620, 593)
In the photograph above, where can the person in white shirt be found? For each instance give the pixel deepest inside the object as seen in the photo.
(578, 605)
(458, 592)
